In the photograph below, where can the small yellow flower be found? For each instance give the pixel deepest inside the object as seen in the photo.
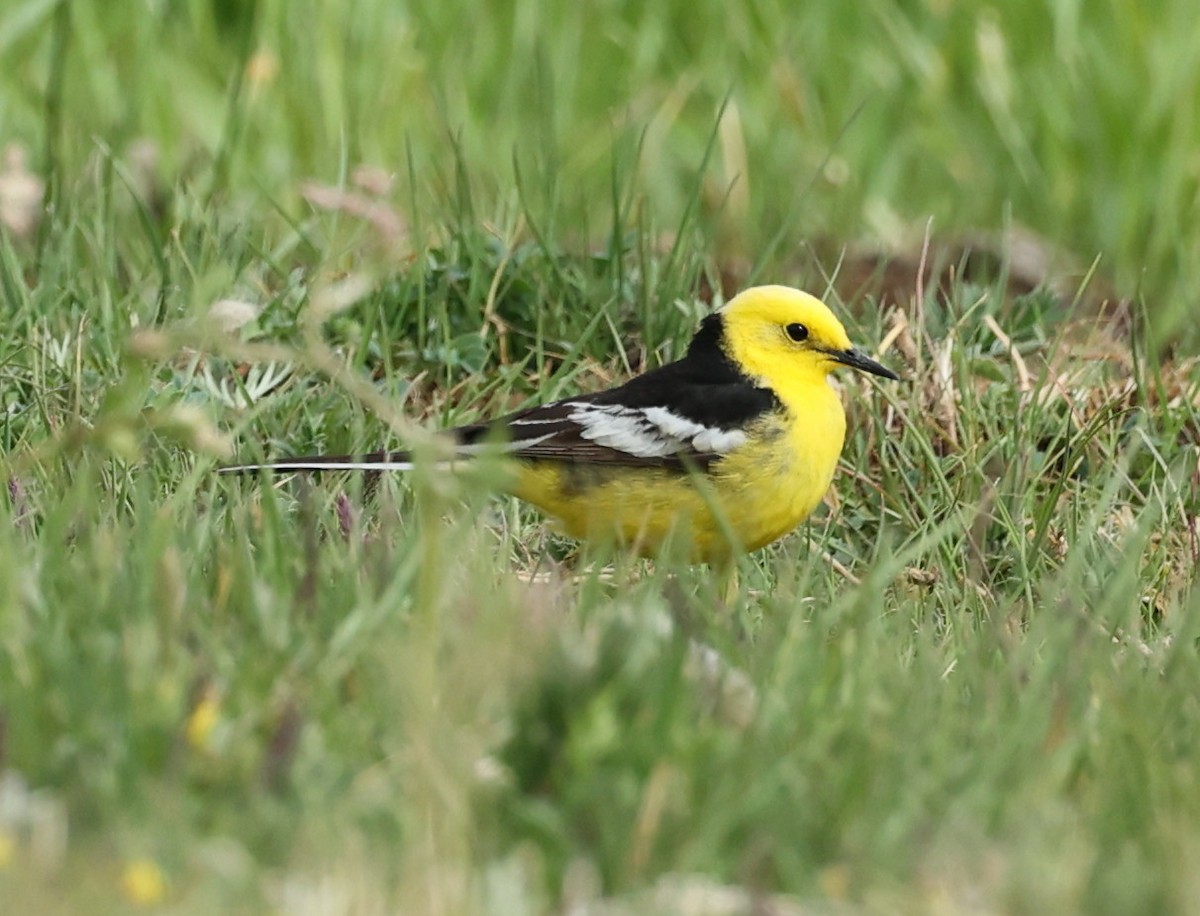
(202, 721)
(143, 882)
(8, 848)
(262, 67)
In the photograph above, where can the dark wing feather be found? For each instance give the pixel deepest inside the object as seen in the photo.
(686, 392)
(547, 433)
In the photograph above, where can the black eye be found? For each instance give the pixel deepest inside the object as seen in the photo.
(797, 332)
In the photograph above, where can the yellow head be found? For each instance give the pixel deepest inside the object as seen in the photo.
(769, 329)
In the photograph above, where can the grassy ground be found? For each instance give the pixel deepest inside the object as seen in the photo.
(968, 685)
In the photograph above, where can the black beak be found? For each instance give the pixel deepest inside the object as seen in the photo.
(856, 359)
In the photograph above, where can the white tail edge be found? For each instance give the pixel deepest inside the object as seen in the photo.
(318, 466)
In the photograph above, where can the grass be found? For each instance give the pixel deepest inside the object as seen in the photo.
(968, 684)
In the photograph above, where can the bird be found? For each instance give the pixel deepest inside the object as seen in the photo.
(723, 451)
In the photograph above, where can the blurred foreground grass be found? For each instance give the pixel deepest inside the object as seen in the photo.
(282, 227)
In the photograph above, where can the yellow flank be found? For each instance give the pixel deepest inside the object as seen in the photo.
(745, 501)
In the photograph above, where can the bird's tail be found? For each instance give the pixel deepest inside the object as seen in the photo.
(373, 461)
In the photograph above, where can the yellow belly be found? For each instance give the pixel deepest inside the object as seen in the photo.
(747, 499)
